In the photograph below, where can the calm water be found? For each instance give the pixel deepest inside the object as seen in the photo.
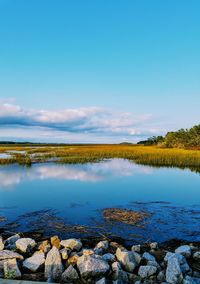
(69, 199)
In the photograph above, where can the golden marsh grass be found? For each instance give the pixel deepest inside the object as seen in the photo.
(146, 155)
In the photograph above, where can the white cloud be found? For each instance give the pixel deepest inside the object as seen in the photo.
(79, 124)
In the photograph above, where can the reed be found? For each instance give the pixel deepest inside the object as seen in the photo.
(146, 155)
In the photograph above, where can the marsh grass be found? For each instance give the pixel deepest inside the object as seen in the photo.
(73, 154)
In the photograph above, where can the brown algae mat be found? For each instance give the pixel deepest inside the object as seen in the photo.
(124, 216)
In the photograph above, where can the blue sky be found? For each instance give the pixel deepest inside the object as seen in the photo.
(98, 70)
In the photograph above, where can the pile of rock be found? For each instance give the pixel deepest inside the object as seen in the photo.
(68, 261)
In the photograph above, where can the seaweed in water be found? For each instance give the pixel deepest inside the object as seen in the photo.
(2, 219)
(129, 217)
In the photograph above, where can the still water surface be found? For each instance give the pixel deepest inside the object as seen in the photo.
(54, 197)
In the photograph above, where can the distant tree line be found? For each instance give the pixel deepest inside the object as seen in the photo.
(183, 138)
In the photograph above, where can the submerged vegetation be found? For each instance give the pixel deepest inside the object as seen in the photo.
(146, 155)
(124, 216)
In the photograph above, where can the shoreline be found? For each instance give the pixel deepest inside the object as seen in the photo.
(97, 260)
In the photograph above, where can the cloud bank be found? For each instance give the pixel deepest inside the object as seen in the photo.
(81, 124)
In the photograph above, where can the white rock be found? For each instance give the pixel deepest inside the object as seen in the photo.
(1, 243)
(184, 250)
(118, 274)
(34, 262)
(154, 245)
(173, 273)
(70, 275)
(149, 257)
(103, 245)
(53, 265)
(73, 244)
(8, 254)
(146, 271)
(127, 259)
(11, 269)
(25, 244)
(181, 259)
(90, 266)
(10, 242)
(136, 248)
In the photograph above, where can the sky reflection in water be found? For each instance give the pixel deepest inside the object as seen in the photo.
(78, 193)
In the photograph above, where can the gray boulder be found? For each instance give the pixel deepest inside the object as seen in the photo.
(184, 250)
(10, 243)
(25, 244)
(148, 257)
(185, 268)
(191, 280)
(154, 263)
(136, 248)
(70, 275)
(196, 255)
(146, 270)
(53, 265)
(11, 269)
(90, 266)
(109, 257)
(153, 245)
(128, 259)
(34, 262)
(173, 273)
(73, 244)
(181, 260)
(161, 276)
(8, 254)
(118, 274)
(102, 245)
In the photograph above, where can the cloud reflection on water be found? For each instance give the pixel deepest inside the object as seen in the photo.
(92, 172)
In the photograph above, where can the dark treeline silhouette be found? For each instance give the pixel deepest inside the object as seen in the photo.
(183, 138)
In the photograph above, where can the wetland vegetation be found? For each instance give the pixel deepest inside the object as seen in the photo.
(77, 154)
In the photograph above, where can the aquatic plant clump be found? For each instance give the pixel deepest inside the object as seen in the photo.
(124, 216)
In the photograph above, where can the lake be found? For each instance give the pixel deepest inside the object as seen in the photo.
(68, 200)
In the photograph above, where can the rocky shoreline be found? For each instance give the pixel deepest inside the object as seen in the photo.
(106, 261)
